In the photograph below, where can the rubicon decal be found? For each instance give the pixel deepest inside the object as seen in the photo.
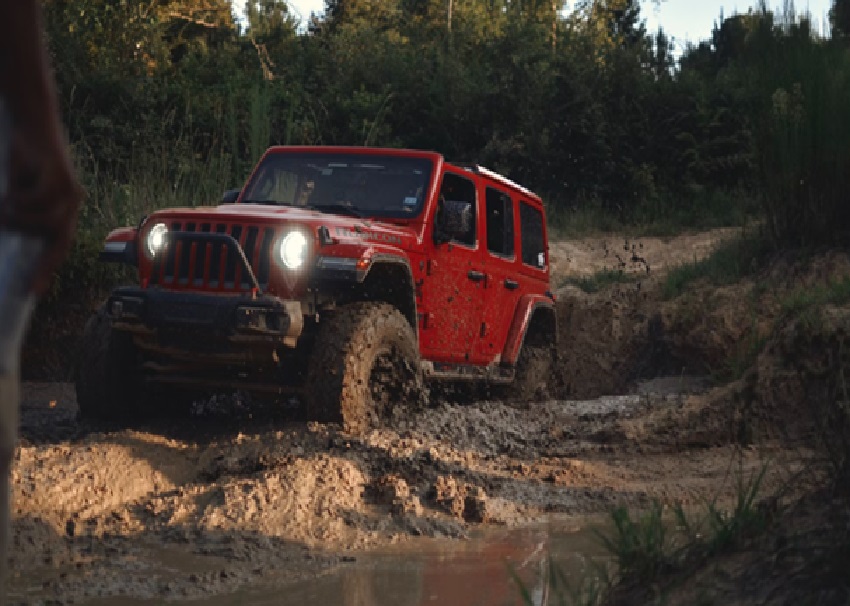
(376, 236)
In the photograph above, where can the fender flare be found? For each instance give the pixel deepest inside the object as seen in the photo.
(381, 258)
(388, 259)
(121, 246)
(526, 308)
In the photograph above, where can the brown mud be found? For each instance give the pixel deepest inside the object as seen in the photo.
(235, 495)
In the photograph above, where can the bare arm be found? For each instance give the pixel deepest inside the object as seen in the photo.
(43, 196)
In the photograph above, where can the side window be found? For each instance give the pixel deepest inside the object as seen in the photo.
(531, 236)
(460, 189)
(500, 223)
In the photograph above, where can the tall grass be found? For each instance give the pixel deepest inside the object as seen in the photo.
(152, 179)
(664, 215)
(732, 261)
(661, 546)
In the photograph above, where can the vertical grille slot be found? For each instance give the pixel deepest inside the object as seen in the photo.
(263, 264)
(230, 263)
(215, 266)
(251, 253)
(170, 258)
(186, 266)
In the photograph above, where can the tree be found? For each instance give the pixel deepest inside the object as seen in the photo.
(839, 18)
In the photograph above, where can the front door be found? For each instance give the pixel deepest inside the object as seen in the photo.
(453, 286)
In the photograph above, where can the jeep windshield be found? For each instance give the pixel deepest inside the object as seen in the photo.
(349, 184)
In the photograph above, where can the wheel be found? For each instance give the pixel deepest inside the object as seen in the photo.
(534, 374)
(365, 361)
(107, 377)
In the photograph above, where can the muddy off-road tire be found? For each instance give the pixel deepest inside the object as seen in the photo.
(365, 362)
(534, 374)
(107, 377)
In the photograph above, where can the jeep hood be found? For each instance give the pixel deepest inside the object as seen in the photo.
(341, 227)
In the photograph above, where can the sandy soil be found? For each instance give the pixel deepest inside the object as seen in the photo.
(190, 507)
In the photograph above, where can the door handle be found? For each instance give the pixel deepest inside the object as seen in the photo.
(476, 276)
(511, 284)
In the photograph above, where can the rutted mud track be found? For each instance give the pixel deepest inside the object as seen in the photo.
(190, 507)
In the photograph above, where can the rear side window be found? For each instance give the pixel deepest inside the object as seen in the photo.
(500, 223)
(531, 236)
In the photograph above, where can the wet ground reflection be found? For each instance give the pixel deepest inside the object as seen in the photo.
(448, 573)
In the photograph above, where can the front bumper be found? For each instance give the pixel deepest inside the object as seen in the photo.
(235, 318)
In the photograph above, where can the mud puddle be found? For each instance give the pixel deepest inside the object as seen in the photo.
(476, 571)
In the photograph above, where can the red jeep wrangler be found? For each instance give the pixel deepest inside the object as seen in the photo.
(345, 275)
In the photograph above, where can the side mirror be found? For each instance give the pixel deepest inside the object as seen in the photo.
(454, 221)
(230, 196)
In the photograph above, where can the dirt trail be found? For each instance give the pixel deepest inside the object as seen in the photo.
(185, 508)
(584, 257)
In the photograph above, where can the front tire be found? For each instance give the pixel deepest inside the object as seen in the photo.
(107, 376)
(365, 362)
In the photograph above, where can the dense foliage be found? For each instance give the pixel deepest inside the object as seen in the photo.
(171, 101)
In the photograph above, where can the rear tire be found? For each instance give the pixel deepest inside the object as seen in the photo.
(108, 381)
(365, 362)
(534, 374)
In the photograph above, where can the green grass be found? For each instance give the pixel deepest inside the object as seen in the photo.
(601, 280)
(659, 545)
(700, 210)
(730, 263)
(654, 545)
(591, 590)
(663, 217)
(804, 299)
(580, 222)
(727, 530)
(643, 547)
(151, 182)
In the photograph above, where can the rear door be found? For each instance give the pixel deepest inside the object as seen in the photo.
(503, 271)
(534, 250)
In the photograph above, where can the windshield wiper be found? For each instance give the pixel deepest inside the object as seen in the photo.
(337, 207)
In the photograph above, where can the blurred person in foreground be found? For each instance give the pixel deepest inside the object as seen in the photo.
(40, 194)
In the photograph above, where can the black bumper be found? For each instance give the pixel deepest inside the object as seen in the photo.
(232, 317)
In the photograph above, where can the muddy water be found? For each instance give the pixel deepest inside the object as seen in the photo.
(449, 573)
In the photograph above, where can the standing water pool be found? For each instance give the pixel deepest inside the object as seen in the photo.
(476, 571)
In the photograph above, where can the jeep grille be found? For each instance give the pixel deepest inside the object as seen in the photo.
(213, 265)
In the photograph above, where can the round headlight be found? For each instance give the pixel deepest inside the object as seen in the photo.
(293, 249)
(156, 239)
